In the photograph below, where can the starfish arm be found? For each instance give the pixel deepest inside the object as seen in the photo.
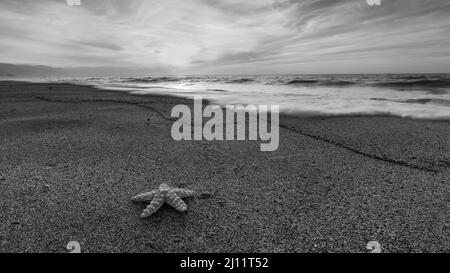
(144, 197)
(156, 203)
(182, 193)
(176, 202)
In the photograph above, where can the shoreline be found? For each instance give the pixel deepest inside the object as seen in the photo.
(70, 163)
(208, 101)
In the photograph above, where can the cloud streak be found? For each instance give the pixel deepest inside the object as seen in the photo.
(230, 36)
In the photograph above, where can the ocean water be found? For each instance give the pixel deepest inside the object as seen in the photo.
(410, 96)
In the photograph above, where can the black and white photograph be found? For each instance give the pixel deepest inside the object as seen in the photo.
(234, 127)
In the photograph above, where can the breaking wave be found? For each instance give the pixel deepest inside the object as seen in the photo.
(337, 83)
(152, 80)
(416, 84)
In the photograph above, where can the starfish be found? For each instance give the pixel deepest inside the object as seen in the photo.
(164, 194)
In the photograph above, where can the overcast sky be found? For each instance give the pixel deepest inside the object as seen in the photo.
(230, 36)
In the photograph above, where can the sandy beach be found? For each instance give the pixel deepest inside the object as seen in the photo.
(71, 157)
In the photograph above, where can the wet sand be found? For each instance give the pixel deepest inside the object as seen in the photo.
(72, 156)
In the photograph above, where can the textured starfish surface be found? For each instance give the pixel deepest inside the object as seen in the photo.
(164, 194)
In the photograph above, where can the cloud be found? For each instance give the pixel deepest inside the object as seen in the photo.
(230, 36)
